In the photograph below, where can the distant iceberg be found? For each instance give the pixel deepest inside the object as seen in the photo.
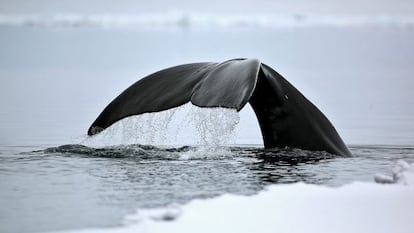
(353, 208)
(174, 20)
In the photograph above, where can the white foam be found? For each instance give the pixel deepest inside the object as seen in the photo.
(207, 152)
(196, 20)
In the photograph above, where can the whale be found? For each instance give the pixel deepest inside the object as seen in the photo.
(287, 119)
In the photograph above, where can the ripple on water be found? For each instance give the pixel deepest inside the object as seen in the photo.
(109, 182)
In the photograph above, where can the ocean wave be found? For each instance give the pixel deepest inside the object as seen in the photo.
(276, 156)
(200, 21)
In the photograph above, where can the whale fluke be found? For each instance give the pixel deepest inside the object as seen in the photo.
(285, 116)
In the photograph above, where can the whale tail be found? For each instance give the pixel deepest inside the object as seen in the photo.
(285, 116)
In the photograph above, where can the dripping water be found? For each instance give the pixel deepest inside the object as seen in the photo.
(209, 129)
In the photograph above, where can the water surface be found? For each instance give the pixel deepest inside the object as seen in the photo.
(74, 187)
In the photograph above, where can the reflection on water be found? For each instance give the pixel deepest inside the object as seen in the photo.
(75, 186)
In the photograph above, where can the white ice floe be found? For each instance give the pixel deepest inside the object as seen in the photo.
(402, 173)
(196, 20)
(353, 208)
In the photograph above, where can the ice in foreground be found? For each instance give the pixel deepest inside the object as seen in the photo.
(356, 207)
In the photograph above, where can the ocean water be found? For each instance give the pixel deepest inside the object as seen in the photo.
(56, 79)
(76, 187)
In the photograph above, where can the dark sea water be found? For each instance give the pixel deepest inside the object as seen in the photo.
(76, 187)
